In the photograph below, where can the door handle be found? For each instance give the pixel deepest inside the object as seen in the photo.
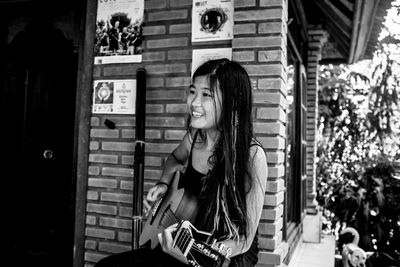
(48, 154)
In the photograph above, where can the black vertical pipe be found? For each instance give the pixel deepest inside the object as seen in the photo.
(138, 174)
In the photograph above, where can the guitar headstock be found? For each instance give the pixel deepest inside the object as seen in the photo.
(198, 253)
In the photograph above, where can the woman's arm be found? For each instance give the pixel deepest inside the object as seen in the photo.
(254, 201)
(176, 160)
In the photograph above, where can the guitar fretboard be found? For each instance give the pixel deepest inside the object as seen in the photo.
(184, 241)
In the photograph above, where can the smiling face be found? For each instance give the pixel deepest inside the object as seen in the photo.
(204, 104)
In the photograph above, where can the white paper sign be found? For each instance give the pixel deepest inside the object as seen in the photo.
(212, 20)
(114, 97)
(119, 32)
(200, 56)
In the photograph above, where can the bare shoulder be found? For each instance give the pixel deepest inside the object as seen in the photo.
(182, 151)
(258, 165)
(257, 154)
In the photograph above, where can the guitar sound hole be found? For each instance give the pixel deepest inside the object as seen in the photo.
(167, 219)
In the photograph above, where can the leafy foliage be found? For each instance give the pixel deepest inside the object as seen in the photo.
(358, 152)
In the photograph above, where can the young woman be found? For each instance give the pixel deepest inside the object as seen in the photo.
(226, 169)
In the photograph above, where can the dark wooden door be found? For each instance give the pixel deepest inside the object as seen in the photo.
(39, 97)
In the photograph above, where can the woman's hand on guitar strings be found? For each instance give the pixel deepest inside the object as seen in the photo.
(166, 241)
(154, 194)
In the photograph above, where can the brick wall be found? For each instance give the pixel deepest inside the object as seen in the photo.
(316, 37)
(260, 45)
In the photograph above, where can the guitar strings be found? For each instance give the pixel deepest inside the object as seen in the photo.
(184, 240)
(169, 219)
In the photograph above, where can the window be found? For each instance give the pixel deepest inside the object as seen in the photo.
(295, 180)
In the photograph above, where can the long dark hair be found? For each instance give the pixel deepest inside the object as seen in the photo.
(225, 187)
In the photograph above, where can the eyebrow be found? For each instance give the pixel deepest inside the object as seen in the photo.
(202, 88)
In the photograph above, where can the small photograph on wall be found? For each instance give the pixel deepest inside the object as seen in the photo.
(119, 31)
(114, 97)
(212, 20)
(199, 56)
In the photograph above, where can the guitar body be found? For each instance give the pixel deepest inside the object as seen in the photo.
(175, 206)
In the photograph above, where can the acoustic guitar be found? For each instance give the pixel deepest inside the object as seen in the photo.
(179, 206)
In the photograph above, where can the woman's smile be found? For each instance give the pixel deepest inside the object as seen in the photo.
(197, 114)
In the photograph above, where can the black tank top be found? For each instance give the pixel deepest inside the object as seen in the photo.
(192, 181)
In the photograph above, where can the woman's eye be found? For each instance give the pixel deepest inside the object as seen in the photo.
(206, 95)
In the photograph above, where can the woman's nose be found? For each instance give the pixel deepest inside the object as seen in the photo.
(196, 101)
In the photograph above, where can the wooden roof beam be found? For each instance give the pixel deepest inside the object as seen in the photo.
(342, 42)
(347, 4)
(335, 15)
(363, 22)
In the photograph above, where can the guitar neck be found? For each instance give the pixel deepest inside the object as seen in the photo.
(197, 253)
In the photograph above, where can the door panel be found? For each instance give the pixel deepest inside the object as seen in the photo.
(40, 86)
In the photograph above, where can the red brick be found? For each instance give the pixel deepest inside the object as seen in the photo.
(154, 82)
(125, 212)
(91, 220)
(101, 209)
(178, 81)
(181, 3)
(117, 146)
(103, 158)
(154, 108)
(166, 121)
(270, 55)
(243, 56)
(244, 28)
(160, 147)
(116, 197)
(166, 95)
(115, 223)
(167, 15)
(124, 236)
(94, 121)
(101, 233)
(180, 28)
(179, 54)
(258, 42)
(92, 195)
(153, 56)
(119, 70)
(126, 185)
(270, 27)
(121, 121)
(245, 3)
(155, 4)
(94, 145)
(94, 170)
(90, 244)
(113, 247)
(166, 43)
(166, 68)
(154, 30)
(177, 108)
(102, 183)
(112, 171)
(272, 70)
(262, 14)
(272, 3)
(174, 134)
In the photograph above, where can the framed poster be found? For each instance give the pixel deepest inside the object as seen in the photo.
(199, 56)
(119, 31)
(114, 97)
(212, 20)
